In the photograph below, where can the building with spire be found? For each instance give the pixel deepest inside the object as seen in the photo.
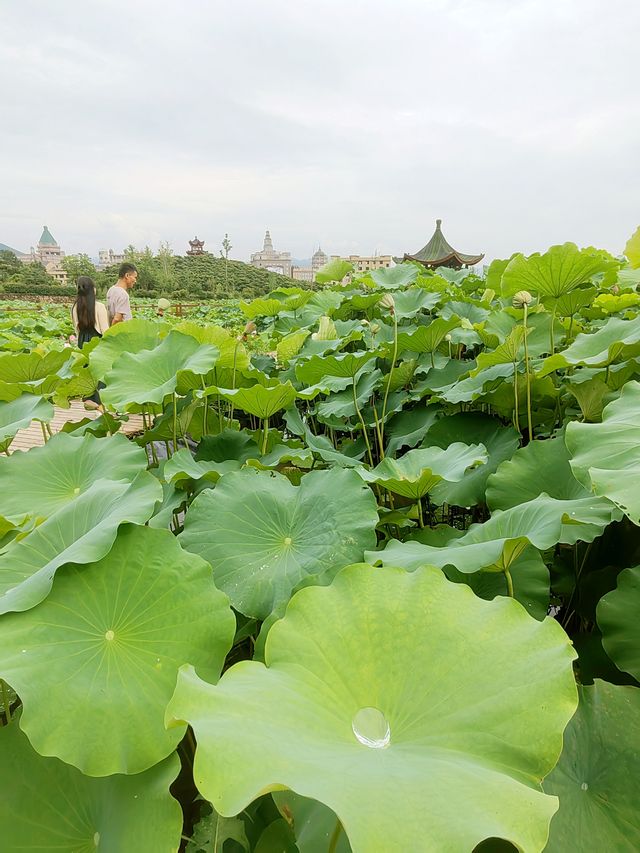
(49, 254)
(269, 259)
(439, 253)
(308, 273)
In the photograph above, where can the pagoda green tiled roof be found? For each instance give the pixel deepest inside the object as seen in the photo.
(439, 253)
(47, 238)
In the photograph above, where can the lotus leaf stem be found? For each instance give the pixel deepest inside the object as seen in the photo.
(361, 419)
(44, 432)
(389, 377)
(265, 435)
(420, 515)
(335, 837)
(527, 373)
(175, 422)
(507, 575)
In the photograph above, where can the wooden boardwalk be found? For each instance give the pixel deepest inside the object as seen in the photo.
(32, 436)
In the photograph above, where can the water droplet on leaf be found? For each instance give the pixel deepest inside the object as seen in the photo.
(371, 728)
(584, 786)
(109, 635)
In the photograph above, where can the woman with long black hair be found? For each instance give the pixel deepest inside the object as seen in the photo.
(90, 320)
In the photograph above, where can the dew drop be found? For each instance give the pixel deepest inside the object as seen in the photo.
(109, 635)
(96, 839)
(371, 728)
(584, 786)
(24, 651)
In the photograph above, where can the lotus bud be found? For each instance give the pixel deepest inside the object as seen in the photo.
(447, 337)
(522, 298)
(375, 328)
(388, 302)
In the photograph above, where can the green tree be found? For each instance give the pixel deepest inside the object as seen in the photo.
(33, 273)
(77, 265)
(9, 264)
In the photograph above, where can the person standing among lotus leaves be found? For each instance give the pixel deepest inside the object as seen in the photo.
(90, 320)
(118, 302)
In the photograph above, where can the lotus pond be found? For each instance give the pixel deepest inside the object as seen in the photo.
(372, 586)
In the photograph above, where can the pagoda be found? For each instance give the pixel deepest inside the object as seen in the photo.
(197, 247)
(438, 253)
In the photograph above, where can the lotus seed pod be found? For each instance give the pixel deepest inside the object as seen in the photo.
(387, 301)
(447, 337)
(522, 298)
(163, 304)
(375, 328)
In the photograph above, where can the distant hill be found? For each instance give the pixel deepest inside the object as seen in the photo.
(5, 248)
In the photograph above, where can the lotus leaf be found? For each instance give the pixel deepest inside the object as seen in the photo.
(263, 536)
(46, 479)
(134, 336)
(427, 338)
(31, 372)
(418, 472)
(396, 277)
(335, 270)
(259, 400)
(290, 346)
(52, 806)
(149, 376)
(313, 824)
(346, 366)
(542, 522)
(81, 532)
(597, 776)
(182, 466)
(616, 339)
(556, 272)
(632, 249)
(233, 353)
(108, 641)
(605, 457)
(18, 414)
(617, 616)
(439, 760)
(409, 427)
(499, 441)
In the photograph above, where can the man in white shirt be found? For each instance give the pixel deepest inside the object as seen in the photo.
(118, 303)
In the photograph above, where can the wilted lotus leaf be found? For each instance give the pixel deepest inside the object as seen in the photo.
(104, 650)
(422, 715)
(52, 806)
(18, 414)
(263, 536)
(418, 472)
(82, 531)
(598, 776)
(137, 379)
(605, 457)
(46, 479)
(617, 616)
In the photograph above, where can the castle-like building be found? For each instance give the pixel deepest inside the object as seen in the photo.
(49, 254)
(269, 259)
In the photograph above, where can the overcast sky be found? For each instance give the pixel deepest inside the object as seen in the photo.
(337, 122)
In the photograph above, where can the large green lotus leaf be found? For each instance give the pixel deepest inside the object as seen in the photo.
(261, 307)
(46, 479)
(313, 824)
(18, 414)
(632, 249)
(134, 336)
(82, 531)
(32, 372)
(541, 466)
(229, 444)
(412, 301)
(341, 405)
(52, 806)
(466, 390)
(542, 522)
(334, 271)
(182, 467)
(422, 715)
(605, 457)
(149, 376)
(612, 303)
(418, 472)
(322, 445)
(557, 271)
(394, 278)
(570, 303)
(615, 339)
(259, 400)
(346, 366)
(617, 616)
(96, 662)
(499, 441)
(290, 345)
(409, 427)
(426, 338)
(597, 777)
(263, 536)
(233, 353)
(590, 396)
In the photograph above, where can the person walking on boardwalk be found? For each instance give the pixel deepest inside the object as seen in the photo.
(90, 320)
(118, 303)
